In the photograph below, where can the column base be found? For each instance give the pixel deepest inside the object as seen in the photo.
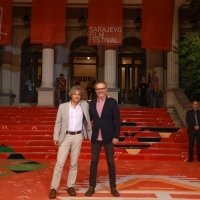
(113, 92)
(45, 96)
(168, 98)
(6, 99)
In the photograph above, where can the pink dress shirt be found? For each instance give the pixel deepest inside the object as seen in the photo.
(99, 107)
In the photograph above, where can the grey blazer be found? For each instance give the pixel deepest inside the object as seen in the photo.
(62, 121)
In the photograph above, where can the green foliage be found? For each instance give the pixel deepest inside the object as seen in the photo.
(189, 64)
(194, 9)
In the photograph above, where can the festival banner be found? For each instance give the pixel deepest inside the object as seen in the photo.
(157, 24)
(48, 21)
(105, 22)
(5, 21)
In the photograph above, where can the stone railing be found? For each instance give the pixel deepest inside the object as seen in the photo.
(181, 104)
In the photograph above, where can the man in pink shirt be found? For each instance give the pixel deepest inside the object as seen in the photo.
(105, 116)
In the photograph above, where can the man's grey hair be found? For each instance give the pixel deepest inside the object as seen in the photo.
(74, 89)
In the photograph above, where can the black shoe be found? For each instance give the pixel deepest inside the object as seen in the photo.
(90, 191)
(52, 194)
(71, 191)
(114, 192)
(190, 159)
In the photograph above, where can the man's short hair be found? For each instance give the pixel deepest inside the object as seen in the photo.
(61, 75)
(75, 89)
(100, 82)
(154, 71)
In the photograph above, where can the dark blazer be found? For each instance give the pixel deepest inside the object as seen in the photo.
(190, 120)
(109, 122)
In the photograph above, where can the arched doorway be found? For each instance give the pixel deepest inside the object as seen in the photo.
(83, 62)
(31, 71)
(131, 68)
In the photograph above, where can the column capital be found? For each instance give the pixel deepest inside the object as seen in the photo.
(48, 46)
(110, 47)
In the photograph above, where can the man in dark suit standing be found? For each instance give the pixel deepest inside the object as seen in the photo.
(105, 116)
(193, 121)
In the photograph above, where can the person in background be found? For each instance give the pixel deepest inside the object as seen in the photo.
(56, 92)
(89, 90)
(193, 121)
(76, 82)
(143, 91)
(153, 90)
(105, 116)
(71, 126)
(93, 89)
(62, 88)
(39, 81)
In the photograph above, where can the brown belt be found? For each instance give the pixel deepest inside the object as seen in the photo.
(73, 133)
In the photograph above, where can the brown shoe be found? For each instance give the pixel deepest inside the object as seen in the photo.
(52, 194)
(71, 191)
(90, 191)
(114, 192)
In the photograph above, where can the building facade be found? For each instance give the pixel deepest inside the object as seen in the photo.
(28, 71)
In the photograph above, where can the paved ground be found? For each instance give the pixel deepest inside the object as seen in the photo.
(136, 180)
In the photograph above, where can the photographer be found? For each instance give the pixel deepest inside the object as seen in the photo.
(62, 83)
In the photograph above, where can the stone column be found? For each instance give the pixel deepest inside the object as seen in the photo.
(5, 95)
(172, 57)
(110, 72)
(46, 91)
(172, 65)
(58, 67)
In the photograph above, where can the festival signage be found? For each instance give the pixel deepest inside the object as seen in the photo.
(105, 22)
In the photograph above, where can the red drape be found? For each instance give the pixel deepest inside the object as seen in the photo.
(48, 21)
(105, 22)
(5, 21)
(157, 24)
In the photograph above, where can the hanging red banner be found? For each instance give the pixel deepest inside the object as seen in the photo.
(5, 21)
(157, 24)
(105, 22)
(48, 21)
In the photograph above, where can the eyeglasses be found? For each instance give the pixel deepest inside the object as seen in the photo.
(99, 89)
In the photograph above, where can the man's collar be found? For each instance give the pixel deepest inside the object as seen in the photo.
(100, 100)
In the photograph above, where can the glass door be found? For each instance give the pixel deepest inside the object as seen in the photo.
(31, 76)
(131, 69)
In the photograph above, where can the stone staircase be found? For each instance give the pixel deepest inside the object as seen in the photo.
(175, 117)
(146, 134)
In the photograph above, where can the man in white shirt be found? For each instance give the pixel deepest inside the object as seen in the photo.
(71, 126)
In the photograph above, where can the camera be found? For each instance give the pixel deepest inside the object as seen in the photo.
(57, 83)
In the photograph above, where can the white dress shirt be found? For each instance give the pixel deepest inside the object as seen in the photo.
(75, 118)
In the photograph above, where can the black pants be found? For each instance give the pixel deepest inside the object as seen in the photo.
(109, 151)
(192, 137)
(63, 96)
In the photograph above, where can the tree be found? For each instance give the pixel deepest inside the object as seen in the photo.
(189, 64)
(194, 11)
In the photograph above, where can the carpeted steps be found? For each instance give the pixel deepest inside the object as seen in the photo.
(146, 134)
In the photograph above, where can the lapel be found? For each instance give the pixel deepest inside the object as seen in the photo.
(95, 107)
(105, 106)
(83, 109)
(66, 112)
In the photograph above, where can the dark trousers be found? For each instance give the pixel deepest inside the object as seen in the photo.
(63, 96)
(109, 151)
(153, 99)
(88, 94)
(93, 94)
(191, 138)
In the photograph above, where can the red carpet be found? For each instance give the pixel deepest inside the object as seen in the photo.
(150, 158)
